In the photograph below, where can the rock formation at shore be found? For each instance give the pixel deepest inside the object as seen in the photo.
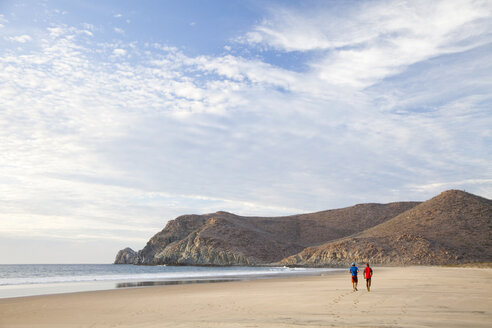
(126, 256)
(453, 227)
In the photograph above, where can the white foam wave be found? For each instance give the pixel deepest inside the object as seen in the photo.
(183, 275)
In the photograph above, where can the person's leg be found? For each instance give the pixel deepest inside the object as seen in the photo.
(355, 279)
(368, 284)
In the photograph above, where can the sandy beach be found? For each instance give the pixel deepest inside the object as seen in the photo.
(400, 297)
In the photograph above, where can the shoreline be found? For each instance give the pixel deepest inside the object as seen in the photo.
(68, 287)
(400, 297)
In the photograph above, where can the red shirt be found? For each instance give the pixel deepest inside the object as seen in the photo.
(367, 272)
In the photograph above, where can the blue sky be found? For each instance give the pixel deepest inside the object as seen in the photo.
(117, 116)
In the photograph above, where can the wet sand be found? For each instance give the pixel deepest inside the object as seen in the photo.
(400, 297)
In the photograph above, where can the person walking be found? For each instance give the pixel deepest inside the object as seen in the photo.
(368, 276)
(353, 271)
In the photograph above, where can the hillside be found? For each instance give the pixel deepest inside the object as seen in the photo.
(223, 238)
(451, 228)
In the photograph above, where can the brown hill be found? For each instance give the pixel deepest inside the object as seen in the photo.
(226, 239)
(451, 228)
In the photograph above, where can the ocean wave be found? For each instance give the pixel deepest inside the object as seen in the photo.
(176, 275)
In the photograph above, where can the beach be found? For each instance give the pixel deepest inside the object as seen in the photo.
(399, 297)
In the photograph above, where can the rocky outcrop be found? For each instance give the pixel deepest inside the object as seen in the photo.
(223, 238)
(451, 228)
(126, 256)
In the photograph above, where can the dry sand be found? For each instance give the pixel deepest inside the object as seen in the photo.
(400, 297)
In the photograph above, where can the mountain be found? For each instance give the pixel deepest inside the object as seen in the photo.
(223, 238)
(451, 228)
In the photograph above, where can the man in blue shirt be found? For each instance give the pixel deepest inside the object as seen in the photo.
(353, 271)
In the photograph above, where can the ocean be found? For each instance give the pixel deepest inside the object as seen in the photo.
(18, 280)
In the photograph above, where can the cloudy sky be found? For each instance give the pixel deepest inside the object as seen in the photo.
(117, 116)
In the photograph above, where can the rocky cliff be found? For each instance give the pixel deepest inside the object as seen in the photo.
(451, 228)
(223, 238)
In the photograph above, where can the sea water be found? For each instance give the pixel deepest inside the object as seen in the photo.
(41, 279)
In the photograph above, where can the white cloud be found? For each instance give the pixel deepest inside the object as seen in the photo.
(376, 40)
(21, 38)
(86, 32)
(119, 30)
(119, 52)
(3, 20)
(367, 23)
(57, 31)
(61, 109)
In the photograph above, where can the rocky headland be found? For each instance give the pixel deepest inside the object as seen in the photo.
(451, 228)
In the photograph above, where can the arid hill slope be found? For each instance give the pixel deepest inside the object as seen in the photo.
(453, 227)
(226, 239)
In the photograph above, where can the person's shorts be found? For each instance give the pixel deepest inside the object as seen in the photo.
(368, 279)
(354, 279)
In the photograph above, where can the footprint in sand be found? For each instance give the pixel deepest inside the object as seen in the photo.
(339, 298)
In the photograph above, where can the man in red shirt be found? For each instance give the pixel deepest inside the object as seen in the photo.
(368, 275)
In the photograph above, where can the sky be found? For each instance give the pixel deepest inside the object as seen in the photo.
(118, 116)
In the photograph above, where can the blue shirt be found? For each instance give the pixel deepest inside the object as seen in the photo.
(353, 270)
